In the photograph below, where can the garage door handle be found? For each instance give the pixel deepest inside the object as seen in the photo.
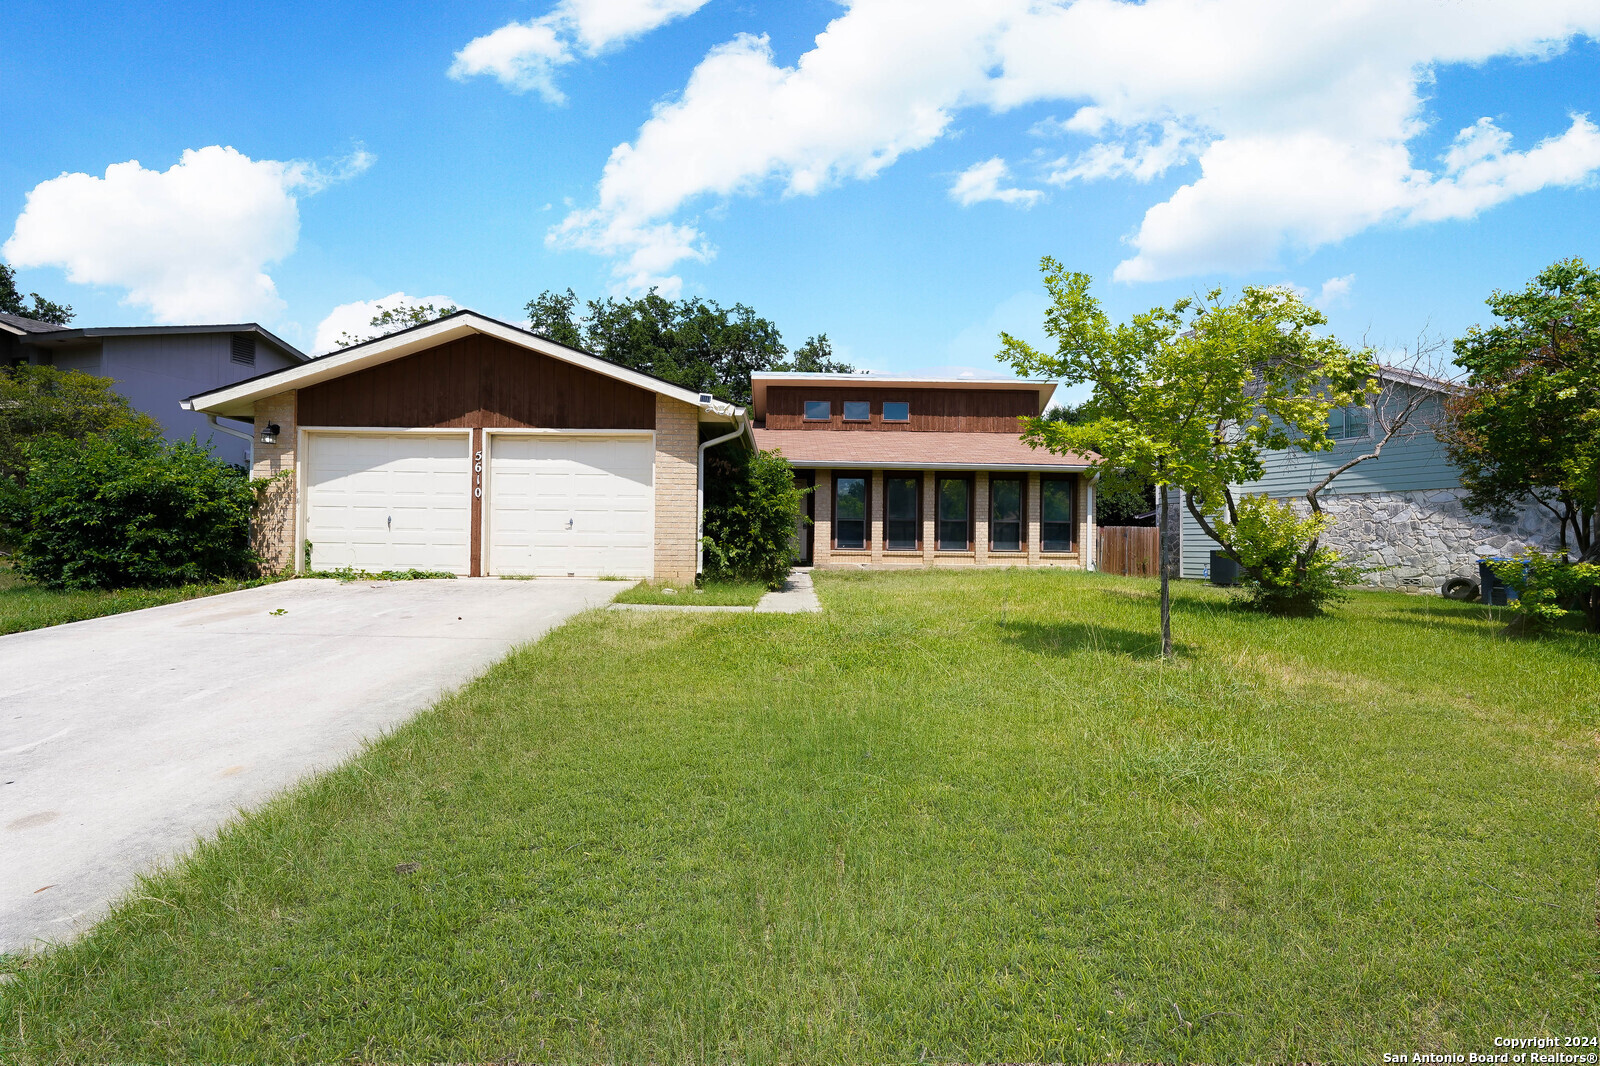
(569, 523)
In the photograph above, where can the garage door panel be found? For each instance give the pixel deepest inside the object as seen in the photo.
(389, 502)
(583, 506)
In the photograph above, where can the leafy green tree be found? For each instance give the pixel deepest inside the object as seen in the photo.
(1528, 426)
(127, 509)
(696, 343)
(752, 511)
(45, 401)
(1120, 497)
(12, 303)
(394, 319)
(1189, 396)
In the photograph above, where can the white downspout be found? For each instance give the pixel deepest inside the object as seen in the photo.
(248, 438)
(1090, 562)
(700, 494)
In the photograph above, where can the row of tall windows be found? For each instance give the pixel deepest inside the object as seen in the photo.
(954, 527)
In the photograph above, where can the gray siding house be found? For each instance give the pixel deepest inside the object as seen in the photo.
(1400, 513)
(155, 367)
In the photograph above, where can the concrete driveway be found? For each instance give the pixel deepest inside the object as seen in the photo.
(123, 739)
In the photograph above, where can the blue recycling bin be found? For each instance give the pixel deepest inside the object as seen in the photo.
(1224, 571)
(1495, 592)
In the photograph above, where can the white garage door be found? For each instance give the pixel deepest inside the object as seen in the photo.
(396, 502)
(581, 506)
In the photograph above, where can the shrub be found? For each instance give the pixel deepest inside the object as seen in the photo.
(1282, 572)
(129, 510)
(1549, 589)
(752, 511)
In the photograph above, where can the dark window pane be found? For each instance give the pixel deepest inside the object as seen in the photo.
(852, 498)
(857, 411)
(1005, 536)
(954, 501)
(1055, 536)
(850, 533)
(1005, 500)
(1055, 502)
(896, 411)
(902, 518)
(818, 410)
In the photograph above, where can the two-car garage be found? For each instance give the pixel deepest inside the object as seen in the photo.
(472, 447)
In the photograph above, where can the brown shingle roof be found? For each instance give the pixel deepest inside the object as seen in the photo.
(819, 447)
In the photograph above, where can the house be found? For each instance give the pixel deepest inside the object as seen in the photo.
(155, 367)
(925, 471)
(1400, 513)
(471, 446)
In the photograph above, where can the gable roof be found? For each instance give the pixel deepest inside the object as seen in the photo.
(760, 381)
(20, 324)
(238, 399)
(58, 336)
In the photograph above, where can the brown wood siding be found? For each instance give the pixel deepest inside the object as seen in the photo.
(478, 382)
(973, 410)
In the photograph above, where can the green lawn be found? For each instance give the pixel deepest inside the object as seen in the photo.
(956, 816)
(714, 594)
(26, 606)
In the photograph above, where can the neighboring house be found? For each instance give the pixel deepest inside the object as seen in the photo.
(471, 446)
(925, 471)
(155, 367)
(1400, 513)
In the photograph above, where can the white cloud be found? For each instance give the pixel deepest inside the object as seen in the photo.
(189, 244)
(523, 56)
(1334, 290)
(355, 318)
(1301, 116)
(981, 181)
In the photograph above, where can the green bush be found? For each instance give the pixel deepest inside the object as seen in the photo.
(1281, 574)
(129, 510)
(1549, 589)
(752, 508)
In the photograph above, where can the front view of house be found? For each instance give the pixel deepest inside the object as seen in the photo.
(925, 471)
(470, 446)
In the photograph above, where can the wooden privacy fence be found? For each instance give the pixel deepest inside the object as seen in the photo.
(1129, 550)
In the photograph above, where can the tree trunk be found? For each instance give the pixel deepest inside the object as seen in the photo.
(1166, 592)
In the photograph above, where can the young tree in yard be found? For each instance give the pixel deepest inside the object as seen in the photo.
(1188, 396)
(1528, 426)
(394, 319)
(44, 401)
(696, 343)
(41, 310)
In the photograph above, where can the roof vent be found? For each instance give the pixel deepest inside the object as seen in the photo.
(244, 349)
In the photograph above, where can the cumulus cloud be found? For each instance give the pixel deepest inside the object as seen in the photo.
(981, 181)
(190, 243)
(355, 318)
(1334, 290)
(524, 56)
(1300, 119)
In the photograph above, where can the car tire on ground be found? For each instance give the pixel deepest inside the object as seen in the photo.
(1459, 588)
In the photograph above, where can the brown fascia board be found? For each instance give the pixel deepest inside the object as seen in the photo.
(760, 381)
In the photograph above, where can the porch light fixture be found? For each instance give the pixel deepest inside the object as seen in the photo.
(270, 434)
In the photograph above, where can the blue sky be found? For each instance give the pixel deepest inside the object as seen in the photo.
(818, 180)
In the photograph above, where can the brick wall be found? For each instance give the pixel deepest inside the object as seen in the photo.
(677, 490)
(272, 528)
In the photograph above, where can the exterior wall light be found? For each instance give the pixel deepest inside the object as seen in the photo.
(270, 434)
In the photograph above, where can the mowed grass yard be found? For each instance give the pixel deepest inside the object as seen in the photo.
(958, 816)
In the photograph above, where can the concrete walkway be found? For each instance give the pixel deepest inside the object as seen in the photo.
(796, 597)
(123, 739)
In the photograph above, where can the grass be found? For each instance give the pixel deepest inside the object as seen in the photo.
(957, 816)
(25, 606)
(713, 594)
(350, 573)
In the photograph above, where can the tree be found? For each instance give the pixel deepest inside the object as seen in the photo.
(45, 401)
(1120, 498)
(394, 319)
(1527, 429)
(1189, 396)
(753, 508)
(42, 310)
(696, 343)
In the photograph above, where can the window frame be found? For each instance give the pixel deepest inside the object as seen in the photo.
(1022, 513)
(866, 512)
(884, 416)
(807, 416)
(844, 410)
(916, 480)
(1071, 481)
(938, 541)
(1344, 415)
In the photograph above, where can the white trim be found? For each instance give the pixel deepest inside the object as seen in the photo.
(235, 399)
(13, 330)
(513, 431)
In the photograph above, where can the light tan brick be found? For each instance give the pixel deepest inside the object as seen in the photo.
(272, 527)
(677, 490)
